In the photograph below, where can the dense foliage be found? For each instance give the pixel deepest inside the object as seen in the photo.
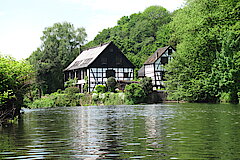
(139, 92)
(68, 97)
(111, 84)
(15, 81)
(60, 45)
(138, 35)
(206, 66)
(100, 88)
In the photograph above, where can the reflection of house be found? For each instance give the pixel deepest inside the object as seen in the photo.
(98, 64)
(154, 66)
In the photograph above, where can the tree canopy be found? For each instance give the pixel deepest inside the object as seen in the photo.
(15, 81)
(206, 65)
(138, 35)
(61, 43)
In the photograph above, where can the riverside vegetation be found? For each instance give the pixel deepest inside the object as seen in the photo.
(205, 67)
(102, 95)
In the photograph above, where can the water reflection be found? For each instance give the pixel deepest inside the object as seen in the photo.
(173, 131)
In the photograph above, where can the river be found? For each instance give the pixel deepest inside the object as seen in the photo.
(162, 131)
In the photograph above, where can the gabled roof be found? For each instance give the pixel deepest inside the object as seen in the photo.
(158, 53)
(141, 72)
(87, 57)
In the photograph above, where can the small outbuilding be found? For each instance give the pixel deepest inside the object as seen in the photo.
(93, 66)
(154, 66)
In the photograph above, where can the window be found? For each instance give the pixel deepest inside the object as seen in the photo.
(162, 74)
(125, 75)
(169, 51)
(164, 60)
(110, 73)
(78, 74)
(72, 74)
(104, 61)
(119, 60)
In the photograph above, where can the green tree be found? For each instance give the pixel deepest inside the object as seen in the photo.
(61, 43)
(134, 93)
(15, 82)
(205, 66)
(147, 85)
(111, 84)
(137, 35)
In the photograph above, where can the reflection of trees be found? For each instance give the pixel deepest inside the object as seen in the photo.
(204, 131)
(113, 133)
(13, 140)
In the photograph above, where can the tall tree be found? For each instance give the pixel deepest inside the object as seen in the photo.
(15, 81)
(207, 36)
(60, 45)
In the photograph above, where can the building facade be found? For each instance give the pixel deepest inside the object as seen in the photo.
(154, 66)
(93, 66)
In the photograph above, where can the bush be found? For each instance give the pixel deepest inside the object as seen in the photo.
(109, 98)
(44, 102)
(111, 84)
(115, 99)
(147, 86)
(134, 93)
(100, 89)
(72, 90)
(71, 97)
(70, 83)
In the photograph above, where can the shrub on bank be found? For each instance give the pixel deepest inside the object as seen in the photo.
(109, 98)
(100, 89)
(70, 97)
(134, 93)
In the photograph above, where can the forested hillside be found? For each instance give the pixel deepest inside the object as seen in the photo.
(206, 66)
(205, 33)
(138, 35)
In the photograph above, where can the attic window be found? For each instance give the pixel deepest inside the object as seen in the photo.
(164, 60)
(119, 60)
(169, 51)
(103, 61)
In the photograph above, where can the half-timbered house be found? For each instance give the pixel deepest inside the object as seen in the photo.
(97, 64)
(154, 66)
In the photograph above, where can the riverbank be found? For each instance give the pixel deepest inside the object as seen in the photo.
(64, 99)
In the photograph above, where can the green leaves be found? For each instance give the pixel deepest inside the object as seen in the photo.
(206, 65)
(60, 46)
(137, 35)
(16, 78)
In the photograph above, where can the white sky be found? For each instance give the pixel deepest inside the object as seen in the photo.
(22, 21)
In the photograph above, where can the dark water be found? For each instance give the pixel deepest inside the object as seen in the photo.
(164, 131)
